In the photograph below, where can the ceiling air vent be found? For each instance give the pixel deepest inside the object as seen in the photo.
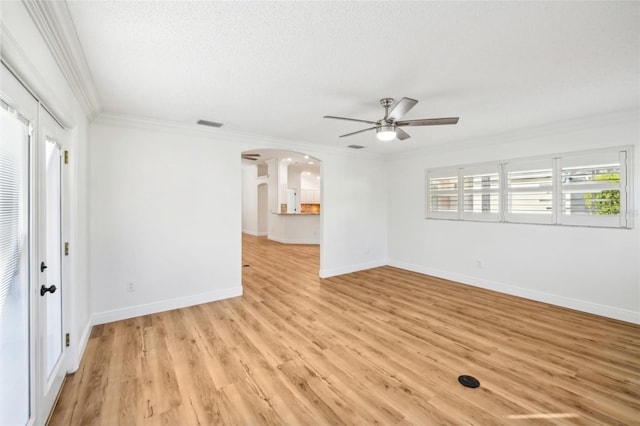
(355, 146)
(209, 123)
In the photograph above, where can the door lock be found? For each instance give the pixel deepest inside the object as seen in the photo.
(43, 266)
(44, 289)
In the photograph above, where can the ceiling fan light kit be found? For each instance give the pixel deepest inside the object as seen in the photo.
(386, 132)
(388, 128)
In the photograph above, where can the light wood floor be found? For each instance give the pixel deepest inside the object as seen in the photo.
(381, 346)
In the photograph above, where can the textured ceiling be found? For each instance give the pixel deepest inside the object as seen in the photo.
(275, 68)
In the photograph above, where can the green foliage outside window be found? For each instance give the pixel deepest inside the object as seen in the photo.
(606, 202)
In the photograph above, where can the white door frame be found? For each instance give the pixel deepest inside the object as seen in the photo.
(42, 392)
(49, 387)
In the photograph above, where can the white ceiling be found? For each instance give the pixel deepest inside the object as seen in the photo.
(275, 68)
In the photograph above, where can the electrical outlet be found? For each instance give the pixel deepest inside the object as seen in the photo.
(131, 286)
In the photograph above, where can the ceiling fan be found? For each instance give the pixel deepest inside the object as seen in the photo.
(252, 157)
(388, 128)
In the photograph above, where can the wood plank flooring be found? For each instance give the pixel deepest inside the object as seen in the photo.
(383, 346)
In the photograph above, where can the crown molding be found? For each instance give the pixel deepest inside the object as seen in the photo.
(631, 115)
(16, 60)
(249, 141)
(54, 22)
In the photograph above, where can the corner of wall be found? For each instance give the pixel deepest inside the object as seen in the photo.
(328, 273)
(565, 302)
(165, 305)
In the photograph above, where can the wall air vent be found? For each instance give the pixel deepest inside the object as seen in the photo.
(355, 146)
(209, 123)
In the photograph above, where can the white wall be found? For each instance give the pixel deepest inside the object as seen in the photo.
(166, 215)
(354, 213)
(309, 181)
(263, 209)
(26, 52)
(555, 264)
(249, 199)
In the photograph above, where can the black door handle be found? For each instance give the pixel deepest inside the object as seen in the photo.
(43, 266)
(44, 289)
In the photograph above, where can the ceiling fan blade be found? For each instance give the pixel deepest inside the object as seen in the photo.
(251, 155)
(401, 134)
(349, 119)
(249, 158)
(355, 133)
(428, 122)
(401, 108)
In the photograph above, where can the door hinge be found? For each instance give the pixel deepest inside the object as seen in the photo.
(66, 157)
(66, 340)
(66, 249)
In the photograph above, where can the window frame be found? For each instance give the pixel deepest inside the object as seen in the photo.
(480, 170)
(442, 173)
(557, 164)
(617, 221)
(528, 166)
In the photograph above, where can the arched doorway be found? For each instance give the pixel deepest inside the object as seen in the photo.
(282, 198)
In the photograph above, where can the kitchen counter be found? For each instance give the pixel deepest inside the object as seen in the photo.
(295, 228)
(297, 214)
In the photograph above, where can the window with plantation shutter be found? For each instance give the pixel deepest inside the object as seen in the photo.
(442, 193)
(529, 191)
(591, 188)
(481, 192)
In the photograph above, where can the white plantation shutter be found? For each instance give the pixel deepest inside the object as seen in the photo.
(592, 191)
(442, 193)
(529, 191)
(481, 192)
(591, 188)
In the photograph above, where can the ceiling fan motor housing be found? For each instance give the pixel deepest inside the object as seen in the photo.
(386, 102)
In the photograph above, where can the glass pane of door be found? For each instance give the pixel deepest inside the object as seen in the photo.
(53, 256)
(14, 268)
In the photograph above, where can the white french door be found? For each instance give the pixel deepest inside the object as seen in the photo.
(51, 361)
(18, 114)
(32, 350)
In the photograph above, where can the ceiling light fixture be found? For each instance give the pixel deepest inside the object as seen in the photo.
(386, 132)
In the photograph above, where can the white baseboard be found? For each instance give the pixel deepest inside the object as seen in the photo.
(294, 240)
(82, 345)
(255, 233)
(553, 299)
(326, 273)
(165, 305)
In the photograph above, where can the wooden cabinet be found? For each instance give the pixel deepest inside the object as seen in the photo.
(310, 196)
